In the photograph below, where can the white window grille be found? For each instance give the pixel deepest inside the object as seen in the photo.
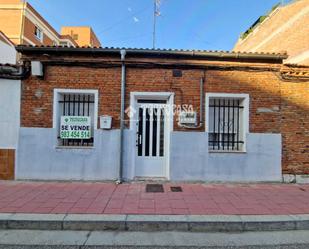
(227, 122)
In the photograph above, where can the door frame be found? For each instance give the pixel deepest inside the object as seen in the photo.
(169, 97)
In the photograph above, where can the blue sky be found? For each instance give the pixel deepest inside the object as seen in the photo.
(183, 24)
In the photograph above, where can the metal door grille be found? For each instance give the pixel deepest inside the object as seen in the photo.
(225, 124)
(150, 130)
(76, 105)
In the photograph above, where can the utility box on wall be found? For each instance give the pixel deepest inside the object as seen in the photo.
(105, 122)
(37, 68)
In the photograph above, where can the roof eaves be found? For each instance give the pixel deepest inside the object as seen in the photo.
(153, 52)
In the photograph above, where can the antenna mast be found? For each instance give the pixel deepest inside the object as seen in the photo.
(156, 13)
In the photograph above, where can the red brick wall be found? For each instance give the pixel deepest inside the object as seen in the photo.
(37, 111)
(295, 126)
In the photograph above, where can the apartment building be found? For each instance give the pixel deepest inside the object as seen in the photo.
(22, 24)
(284, 28)
(83, 36)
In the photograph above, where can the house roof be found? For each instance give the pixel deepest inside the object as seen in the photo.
(28, 49)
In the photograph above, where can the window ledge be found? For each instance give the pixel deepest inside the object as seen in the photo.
(75, 147)
(227, 151)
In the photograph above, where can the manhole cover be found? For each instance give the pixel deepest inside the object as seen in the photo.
(154, 188)
(176, 189)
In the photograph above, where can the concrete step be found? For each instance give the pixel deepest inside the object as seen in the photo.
(13, 239)
(149, 223)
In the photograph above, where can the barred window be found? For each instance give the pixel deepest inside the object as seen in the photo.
(75, 121)
(226, 124)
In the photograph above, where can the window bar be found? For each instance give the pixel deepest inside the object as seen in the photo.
(214, 129)
(89, 140)
(223, 132)
(78, 108)
(219, 125)
(228, 125)
(88, 105)
(233, 126)
(64, 97)
(73, 104)
(238, 124)
(69, 113)
(84, 100)
(69, 105)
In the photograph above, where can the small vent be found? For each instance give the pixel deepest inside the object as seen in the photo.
(176, 189)
(154, 188)
(177, 73)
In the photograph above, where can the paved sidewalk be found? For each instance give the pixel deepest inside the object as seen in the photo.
(108, 198)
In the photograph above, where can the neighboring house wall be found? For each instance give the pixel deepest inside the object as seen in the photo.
(7, 51)
(273, 105)
(9, 113)
(286, 29)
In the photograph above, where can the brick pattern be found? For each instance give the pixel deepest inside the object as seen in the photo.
(196, 199)
(7, 164)
(295, 127)
(294, 38)
(264, 90)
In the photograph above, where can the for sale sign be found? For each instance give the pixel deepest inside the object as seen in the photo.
(75, 127)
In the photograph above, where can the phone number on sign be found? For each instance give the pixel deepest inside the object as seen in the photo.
(75, 134)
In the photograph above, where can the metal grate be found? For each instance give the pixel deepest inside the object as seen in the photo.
(154, 188)
(76, 105)
(225, 124)
(176, 189)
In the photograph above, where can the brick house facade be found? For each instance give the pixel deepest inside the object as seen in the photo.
(275, 142)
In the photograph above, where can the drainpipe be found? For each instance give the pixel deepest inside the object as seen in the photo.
(202, 82)
(122, 106)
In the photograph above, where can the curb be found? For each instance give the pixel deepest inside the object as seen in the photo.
(187, 223)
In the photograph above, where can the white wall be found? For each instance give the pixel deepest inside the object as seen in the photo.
(38, 158)
(190, 159)
(9, 113)
(7, 54)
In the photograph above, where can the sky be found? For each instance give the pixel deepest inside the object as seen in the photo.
(183, 24)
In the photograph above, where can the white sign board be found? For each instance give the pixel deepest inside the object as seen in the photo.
(75, 127)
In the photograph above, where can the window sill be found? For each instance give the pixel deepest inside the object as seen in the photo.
(75, 147)
(227, 151)
(39, 39)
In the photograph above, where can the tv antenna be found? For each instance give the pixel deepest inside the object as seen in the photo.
(156, 13)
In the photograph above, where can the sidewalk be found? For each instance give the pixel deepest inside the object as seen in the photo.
(196, 199)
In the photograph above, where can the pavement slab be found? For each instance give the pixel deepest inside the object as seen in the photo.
(131, 198)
